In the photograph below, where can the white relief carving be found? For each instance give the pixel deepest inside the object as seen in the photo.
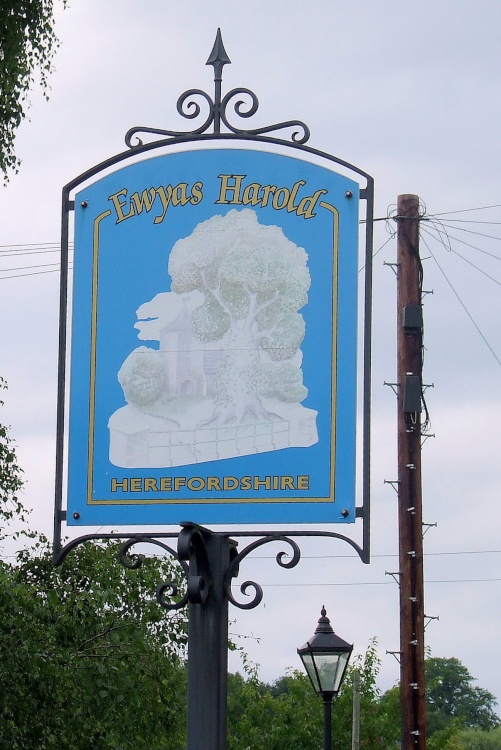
(226, 379)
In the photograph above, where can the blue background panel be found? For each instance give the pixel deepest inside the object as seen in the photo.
(122, 248)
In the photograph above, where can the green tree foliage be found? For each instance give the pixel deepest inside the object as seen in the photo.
(27, 46)
(453, 737)
(447, 738)
(11, 482)
(451, 695)
(88, 659)
(476, 739)
(379, 712)
(285, 715)
(288, 714)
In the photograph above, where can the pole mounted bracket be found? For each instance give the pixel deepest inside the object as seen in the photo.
(191, 547)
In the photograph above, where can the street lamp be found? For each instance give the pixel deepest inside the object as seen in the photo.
(325, 657)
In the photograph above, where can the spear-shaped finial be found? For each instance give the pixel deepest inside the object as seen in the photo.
(217, 59)
(218, 56)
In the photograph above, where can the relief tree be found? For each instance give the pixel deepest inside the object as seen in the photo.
(254, 281)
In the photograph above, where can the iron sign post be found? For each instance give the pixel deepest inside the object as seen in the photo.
(210, 559)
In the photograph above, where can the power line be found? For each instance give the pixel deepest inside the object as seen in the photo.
(34, 273)
(386, 555)
(470, 221)
(463, 242)
(466, 260)
(28, 268)
(469, 231)
(378, 583)
(17, 253)
(466, 210)
(33, 244)
(462, 304)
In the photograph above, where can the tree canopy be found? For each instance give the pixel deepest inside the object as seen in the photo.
(11, 481)
(451, 695)
(88, 659)
(288, 714)
(477, 739)
(27, 46)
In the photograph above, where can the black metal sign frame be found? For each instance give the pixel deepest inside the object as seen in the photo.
(244, 104)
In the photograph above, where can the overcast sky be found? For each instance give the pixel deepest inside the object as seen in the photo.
(409, 92)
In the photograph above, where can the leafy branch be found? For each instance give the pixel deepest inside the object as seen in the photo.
(27, 47)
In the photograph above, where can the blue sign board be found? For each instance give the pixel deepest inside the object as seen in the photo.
(213, 357)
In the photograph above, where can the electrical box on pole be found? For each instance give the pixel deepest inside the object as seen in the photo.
(410, 385)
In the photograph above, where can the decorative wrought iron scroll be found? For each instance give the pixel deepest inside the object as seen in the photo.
(188, 107)
(191, 556)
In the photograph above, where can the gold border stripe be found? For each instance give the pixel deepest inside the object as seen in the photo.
(335, 277)
(93, 350)
(198, 501)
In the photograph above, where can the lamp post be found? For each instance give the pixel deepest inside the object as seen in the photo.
(325, 657)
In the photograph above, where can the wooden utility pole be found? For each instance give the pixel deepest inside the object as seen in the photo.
(410, 386)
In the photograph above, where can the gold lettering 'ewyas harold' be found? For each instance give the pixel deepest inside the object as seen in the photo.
(233, 190)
